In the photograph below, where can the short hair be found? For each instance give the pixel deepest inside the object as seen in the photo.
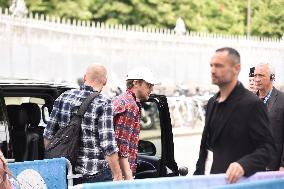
(271, 70)
(129, 83)
(233, 53)
(96, 73)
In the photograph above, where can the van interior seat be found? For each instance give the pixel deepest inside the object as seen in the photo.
(22, 140)
(34, 117)
(34, 114)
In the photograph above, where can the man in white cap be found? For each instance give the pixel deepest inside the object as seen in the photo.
(139, 84)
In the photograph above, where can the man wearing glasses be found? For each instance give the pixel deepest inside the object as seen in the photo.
(139, 85)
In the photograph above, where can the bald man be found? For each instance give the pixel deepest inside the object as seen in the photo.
(98, 159)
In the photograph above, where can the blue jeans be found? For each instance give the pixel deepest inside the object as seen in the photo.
(102, 176)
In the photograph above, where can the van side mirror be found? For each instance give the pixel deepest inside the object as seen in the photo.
(146, 148)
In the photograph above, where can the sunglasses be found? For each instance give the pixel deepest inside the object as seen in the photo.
(149, 85)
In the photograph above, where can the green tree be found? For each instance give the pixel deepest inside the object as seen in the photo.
(4, 3)
(73, 9)
(111, 12)
(268, 18)
(216, 16)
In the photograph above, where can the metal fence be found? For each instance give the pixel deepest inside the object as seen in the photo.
(41, 47)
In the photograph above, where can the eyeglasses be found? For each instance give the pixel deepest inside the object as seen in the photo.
(149, 85)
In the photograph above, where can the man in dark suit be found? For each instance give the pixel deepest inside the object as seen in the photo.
(274, 99)
(237, 130)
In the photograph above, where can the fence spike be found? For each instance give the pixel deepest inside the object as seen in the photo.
(57, 20)
(6, 11)
(42, 17)
(79, 23)
(30, 16)
(63, 21)
(98, 25)
(93, 24)
(88, 23)
(47, 18)
(84, 23)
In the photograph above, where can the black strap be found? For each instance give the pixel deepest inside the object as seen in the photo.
(86, 103)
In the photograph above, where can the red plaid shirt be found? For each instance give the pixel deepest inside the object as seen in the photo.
(127, 126)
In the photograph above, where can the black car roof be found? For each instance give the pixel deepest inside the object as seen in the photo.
(7, 82)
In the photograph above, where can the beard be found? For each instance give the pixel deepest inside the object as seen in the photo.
(221, 81)
(142, 96)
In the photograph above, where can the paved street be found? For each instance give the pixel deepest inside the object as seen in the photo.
(186, 151)
(186, 144)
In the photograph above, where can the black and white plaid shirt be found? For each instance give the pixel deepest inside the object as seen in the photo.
(97, 127)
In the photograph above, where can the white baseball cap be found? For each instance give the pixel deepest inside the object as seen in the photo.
(142, 73)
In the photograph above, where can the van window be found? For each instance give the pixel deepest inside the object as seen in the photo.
(150, 126)
(20, 100)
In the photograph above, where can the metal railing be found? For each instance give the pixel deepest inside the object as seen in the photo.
(70, 175)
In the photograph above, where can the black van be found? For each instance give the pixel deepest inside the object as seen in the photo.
(25, 106)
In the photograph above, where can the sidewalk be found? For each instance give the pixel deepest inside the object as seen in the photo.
(187, 131)
(179, 131)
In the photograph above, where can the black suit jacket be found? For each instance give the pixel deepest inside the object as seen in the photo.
(244, 135)
(276, 116)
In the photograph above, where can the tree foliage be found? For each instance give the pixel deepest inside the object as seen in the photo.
(217, 16)
(268, 18)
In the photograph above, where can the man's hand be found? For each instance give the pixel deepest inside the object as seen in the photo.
(281, 169)
(234, 172)
(113, 162)
(46, 142)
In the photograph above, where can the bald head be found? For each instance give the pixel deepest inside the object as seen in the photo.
(95, 75)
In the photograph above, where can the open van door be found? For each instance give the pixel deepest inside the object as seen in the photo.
(4, 130)
(156, 147)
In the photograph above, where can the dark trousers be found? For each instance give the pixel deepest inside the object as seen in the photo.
(102, 176)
